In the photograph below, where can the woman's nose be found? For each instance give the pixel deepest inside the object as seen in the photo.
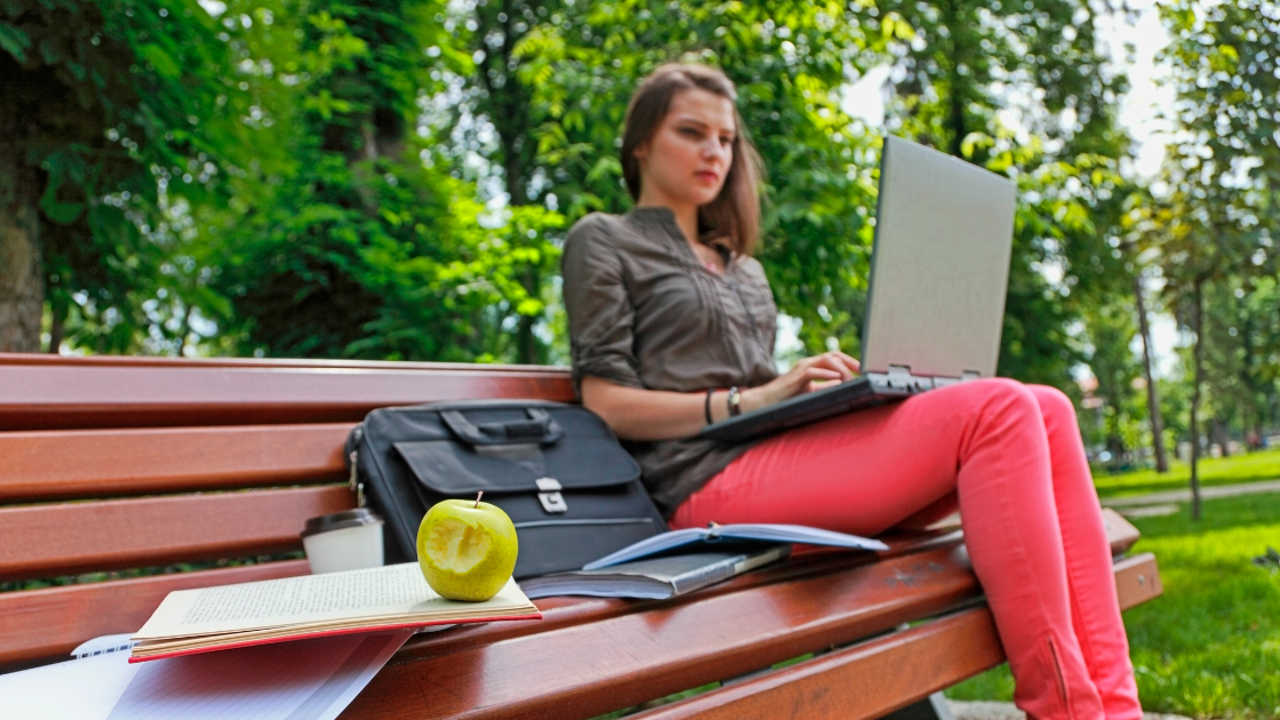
(714, 149)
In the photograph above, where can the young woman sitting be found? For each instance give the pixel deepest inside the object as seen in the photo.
(672, 326)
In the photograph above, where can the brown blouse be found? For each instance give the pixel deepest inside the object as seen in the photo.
(645, 313)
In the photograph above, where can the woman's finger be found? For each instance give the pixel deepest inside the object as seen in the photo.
(834, 361)
(821, 373)
(849, 361)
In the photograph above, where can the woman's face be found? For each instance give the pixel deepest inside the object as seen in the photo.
(689, 155)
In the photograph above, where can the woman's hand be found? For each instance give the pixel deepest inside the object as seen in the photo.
(806, 375)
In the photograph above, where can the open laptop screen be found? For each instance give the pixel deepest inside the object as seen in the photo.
(940, 266)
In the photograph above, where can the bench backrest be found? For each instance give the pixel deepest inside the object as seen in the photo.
(119, 468)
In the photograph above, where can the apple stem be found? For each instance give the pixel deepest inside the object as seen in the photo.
(478, 496)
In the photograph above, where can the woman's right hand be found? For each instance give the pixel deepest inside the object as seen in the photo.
(807, 375)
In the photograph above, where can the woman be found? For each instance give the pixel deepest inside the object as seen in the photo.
(672, 327)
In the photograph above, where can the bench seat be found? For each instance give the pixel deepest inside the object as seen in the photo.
(115, 464)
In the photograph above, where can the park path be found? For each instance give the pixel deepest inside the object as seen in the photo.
(1168, 497)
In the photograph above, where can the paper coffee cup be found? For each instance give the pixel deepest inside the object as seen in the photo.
(348, 540)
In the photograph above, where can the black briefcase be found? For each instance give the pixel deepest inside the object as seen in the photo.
(573, 493)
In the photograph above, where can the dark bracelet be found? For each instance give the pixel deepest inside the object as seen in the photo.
(706, 405)
(735, 401)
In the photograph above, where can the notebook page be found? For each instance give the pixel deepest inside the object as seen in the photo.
(84, 689)
(303, 680)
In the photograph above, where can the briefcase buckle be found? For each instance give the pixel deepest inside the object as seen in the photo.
(549, 495)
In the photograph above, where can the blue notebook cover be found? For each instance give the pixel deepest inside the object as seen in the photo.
(654, 578)
(729, 538)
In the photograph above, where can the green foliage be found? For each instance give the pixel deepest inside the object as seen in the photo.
(1110, 328)
(1022, 88)
(120, 108)
(788, 61)
(360, 248)
(1214, 225)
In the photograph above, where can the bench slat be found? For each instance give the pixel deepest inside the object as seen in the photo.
(872, 679)
(67, 538)
(85, 395)
(128, 603)
(37, 624)
(583, 670)
(862, 682)
(102, 463)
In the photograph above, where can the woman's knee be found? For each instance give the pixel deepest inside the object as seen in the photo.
(1005, 394)
(1054, 403)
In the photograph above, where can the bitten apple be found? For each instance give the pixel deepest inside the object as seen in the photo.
(467, 549)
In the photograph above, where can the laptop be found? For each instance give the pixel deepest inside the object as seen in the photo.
(935, 298)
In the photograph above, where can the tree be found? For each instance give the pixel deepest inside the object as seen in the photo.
(788, 61)
(1224, 171)
(1110, 330)
(1022, 88)
(106, 109)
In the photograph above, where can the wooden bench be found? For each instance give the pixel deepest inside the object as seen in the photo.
(113, 464)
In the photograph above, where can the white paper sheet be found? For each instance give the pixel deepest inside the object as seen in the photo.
(301, 680)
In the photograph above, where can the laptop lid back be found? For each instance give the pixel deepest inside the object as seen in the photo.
(939, 264)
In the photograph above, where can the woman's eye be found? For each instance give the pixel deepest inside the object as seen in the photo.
(689, 132)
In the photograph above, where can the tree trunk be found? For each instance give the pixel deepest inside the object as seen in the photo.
(956, 120)
(1197, 322)
(21, 273)
(507, 106)
(1218, 430)
(1153, 399)
(57, 328)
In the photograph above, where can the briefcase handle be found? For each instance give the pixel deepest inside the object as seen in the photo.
(539, 428)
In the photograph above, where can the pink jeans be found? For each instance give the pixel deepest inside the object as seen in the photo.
(1012, 455)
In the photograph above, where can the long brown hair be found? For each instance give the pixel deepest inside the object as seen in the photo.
(735, 212)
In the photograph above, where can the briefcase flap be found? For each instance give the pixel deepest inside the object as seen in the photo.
(452, 469)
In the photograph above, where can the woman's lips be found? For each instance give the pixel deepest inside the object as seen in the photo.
(706, 176)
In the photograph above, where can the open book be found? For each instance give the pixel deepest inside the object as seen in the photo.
(268, 611)
(727, 538)
(655, 578)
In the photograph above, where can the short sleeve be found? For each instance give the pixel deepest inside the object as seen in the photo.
(599, 308)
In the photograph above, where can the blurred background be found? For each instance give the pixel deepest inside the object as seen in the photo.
(393, 179)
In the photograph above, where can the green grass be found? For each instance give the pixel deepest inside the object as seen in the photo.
(1210, 646)
(1262, 465)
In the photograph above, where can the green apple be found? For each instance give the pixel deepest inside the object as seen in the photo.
(467, 549)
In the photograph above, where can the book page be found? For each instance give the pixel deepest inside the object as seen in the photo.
(304, 680)
(394, 591)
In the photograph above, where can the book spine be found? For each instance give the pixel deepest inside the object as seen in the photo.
(727, 568)
(705, 576)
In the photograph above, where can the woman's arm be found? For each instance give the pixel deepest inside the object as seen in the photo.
(638, 414)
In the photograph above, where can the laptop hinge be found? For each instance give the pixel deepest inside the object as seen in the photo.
(899, 378)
